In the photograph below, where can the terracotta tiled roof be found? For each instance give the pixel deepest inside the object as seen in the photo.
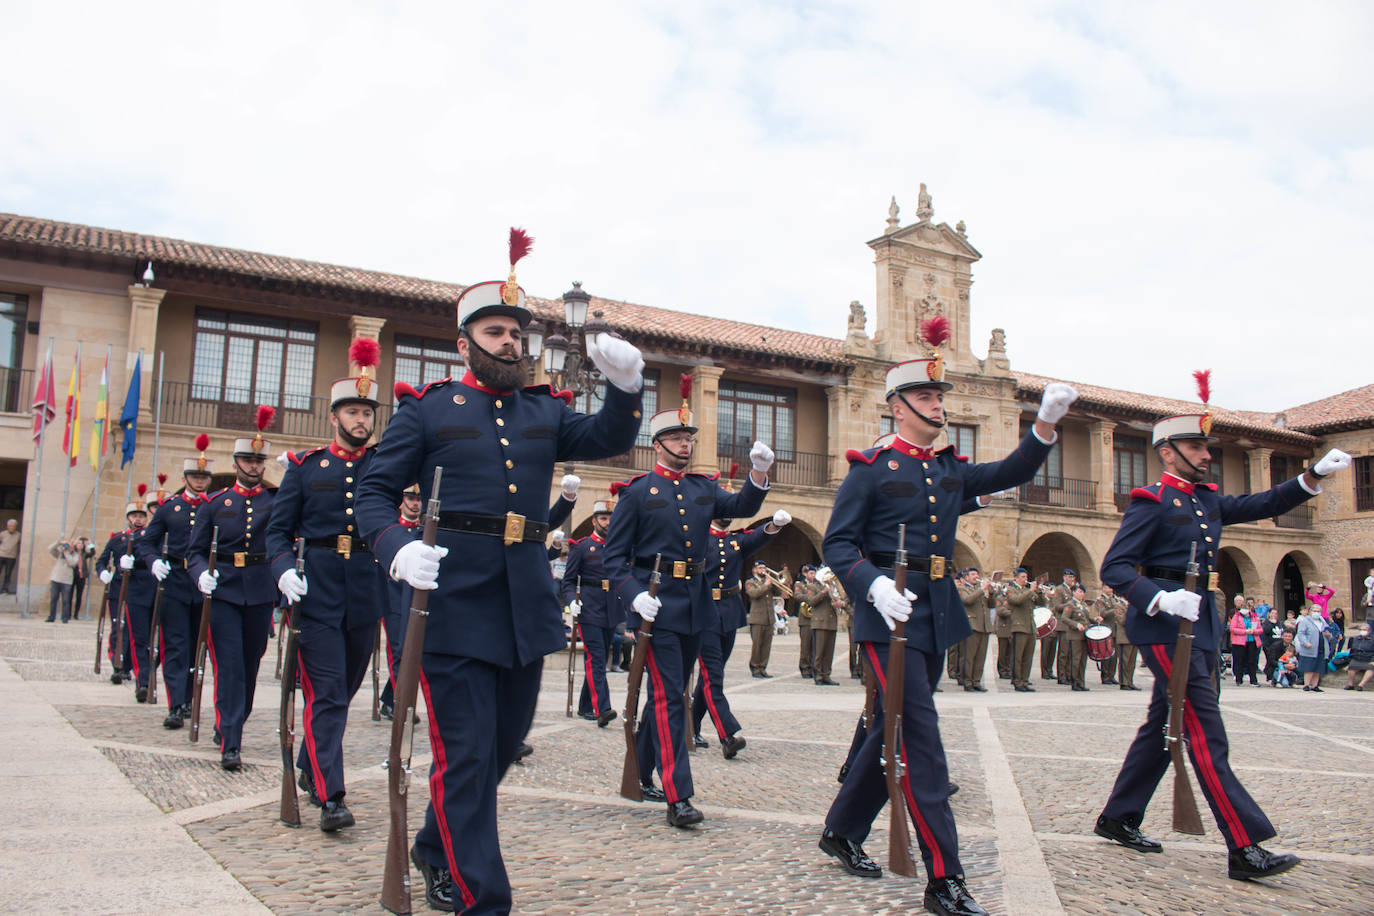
(1351, 409)
(1151, 408)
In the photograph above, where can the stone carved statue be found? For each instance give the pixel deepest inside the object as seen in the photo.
(857, 317)
(924, 208)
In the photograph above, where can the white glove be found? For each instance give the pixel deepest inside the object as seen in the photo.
(1054, 403)
(105, 576)
(292, 586)
(1334, 460)
(559, 536)
(418, 565)
(570, 484)
(575, 606)
(761, 457)
(284, 459)
(126, 562)
(646, 606)
(160, 569)
(890, 605)
(1180, 603)
(208, 581)
(781, 518)
(619, 361)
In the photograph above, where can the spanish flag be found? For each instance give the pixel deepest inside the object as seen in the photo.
(71, 437)
(99, 435)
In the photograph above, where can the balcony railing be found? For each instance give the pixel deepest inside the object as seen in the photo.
(1060, 491)
(1297, 517)
(309, 420)
(639, 458)
(16, 390)
(798, 469)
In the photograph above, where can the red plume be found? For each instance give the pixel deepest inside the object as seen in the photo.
(364, 352)
(734, 469)
(520, 244)
(1203, 377)
(202, 442)
(161, 479)
(685, 386)
(935, 330)
(142, 490)
(266, 414)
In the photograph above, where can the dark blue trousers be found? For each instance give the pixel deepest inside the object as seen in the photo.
(135, 638)
(662, 742)
(179, 624)
(709, 695)
(238, 637)
(333, 661)
(596, 694)
(395, 618)
(1240, 820)
(478, 715)
(926, 780)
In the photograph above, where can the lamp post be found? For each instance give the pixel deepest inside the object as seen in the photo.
(565, 359)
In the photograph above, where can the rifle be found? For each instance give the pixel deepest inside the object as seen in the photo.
(281, 638)
(396, 876)
(201, 638)
(629, 772)
(153, 654)
(572, 647)
(894, 764)
(123, 607)
(286, 727)
(1186, 819)
(100, 625)
(376, 674)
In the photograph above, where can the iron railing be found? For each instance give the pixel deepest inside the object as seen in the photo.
(1066, 492)
(639, 458)
(1297, 517)
(792, 468)
(16, 390)
(309, 419)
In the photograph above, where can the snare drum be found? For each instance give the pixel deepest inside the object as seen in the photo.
(1045, 621)
(1101, 645)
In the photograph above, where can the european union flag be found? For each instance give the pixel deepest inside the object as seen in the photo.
(128, 420)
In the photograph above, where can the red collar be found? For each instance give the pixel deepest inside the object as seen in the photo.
(661, 471)
(407, 523)
(339, 452)
(915, 451)
(1169, 480)
(244, 491)
(598, 538)
(194, 499)
(471, 381)
(720, 532)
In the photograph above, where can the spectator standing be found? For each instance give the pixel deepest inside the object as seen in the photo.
(1361, 658)
(1246, 629)
(1336, 626)
(1309, 643)
(9, 555)
(1271, 639)
(1320, 595)
(84, 552)
(60, 579)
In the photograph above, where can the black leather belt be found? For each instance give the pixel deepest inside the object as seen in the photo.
(720, 594)
(678, 569)
(344, 545)
(1165, 573)
(930, 567)
(176, 561)
(241, 560)
(511, 527)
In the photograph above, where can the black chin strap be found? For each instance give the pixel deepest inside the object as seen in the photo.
(1184, 458)
(928, 420)
(506, 360)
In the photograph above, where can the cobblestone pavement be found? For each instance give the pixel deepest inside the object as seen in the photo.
(1033, 769)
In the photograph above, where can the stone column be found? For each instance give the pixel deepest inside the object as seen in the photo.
(837, 432)
(144, 305)
(1257, 459)
(1101, 464)
(705, 411)
(363, 326)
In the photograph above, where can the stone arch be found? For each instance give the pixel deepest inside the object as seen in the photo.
(1238, 575)
(1291, 576)
(965, 555)
(795, 545)
(1056, 551)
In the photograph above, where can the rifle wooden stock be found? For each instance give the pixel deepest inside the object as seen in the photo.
(396, 873)
(629, 771)
(286, 726)
(100, 625)
(572, 647)
(377, 674)
(202, 636)
(899, 834)
(123, 607)
(1186, 817)
(153, 623)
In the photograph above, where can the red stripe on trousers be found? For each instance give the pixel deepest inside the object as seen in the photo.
(214, 662)
(710, 700)
(665, 737)
(587, 668)
(308, 694)
(436, 792)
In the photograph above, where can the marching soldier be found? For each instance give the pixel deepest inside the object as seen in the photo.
(241, 589)
(180, 612)
(1054, 649)
(1164, 525)
(760, 589)
(114, 563)
(974, 594)
(806, 650)
(726, 551)
(1110, 610)
(824, 623)
(594, 614)
(341, 596)
(1001, 628)
(1018, 610)
(398, 608)
(1076, 619)
(909, 484)
(494, 611)
(668, 513)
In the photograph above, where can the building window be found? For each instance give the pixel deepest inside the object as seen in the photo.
(1051, 473)
(1279, 469)
(251, 359)
(1214, 471)
(421, 360)
(1364, 484)
(746, 412)
(591, 403)
(1245, 474)
(1129, 454)
(964, 439)
(14, 316)
(886, 425)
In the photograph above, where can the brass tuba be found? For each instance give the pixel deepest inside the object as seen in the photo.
(826, 576)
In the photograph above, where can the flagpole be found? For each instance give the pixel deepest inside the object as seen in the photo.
(99, 466)
(74, 423)
(157, 418)
(37, 487)
(129, 479)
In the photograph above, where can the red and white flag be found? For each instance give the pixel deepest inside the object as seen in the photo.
(44, 399)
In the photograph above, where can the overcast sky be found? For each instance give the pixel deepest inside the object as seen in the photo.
(1155, 187)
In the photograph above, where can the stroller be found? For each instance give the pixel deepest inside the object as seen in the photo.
(779, 618)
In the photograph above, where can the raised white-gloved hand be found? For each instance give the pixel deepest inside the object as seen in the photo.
(160, 569)
(1334, 460)
(894, 608)
(1054, 403)
(126, 562)
(418, 564)
(781, 518)
(646, 606)
(105, 576)
(761, 457)
(292, 586)
(559, 536)
(619, 360)
(575, 606)
(208, 582)
(284, 459)
(570, 484)
(1180, 603)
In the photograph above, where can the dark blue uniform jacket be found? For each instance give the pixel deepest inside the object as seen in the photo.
(599, 607)
(174, 519)
(724, 566)
(242, 516)
(142, 586)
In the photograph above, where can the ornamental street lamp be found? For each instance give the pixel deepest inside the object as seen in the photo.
(565, 360)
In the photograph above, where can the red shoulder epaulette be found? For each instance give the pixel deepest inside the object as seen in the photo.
(406, 388)
(1145, 493)
(622, 484)
(855, 455)
(572, 542)
(115, 534)
(217, 493)
(957, 456)
(565, 396)
(712, 476)
(1210, 486)
(299, 457)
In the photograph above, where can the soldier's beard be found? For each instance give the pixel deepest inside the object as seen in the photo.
(354, 442)
(492, 372)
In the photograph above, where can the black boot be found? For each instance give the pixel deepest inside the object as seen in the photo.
(682, 814)
(698, 741)
(732, 746)
(230, 760)
(438, 882)
(1126, 834)
(651, 792)
(307, 783)
(949, 897)
(1251, 862)
(850, 854)
(334, 816)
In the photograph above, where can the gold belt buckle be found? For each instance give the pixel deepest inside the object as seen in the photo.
(1213, 580)
(605, 585)
(515, 529)
(240, 560)
(344, 545)
(679, 569)
(715, 594)
(937, 567)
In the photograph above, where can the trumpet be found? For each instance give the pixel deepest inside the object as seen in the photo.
(779, 581)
